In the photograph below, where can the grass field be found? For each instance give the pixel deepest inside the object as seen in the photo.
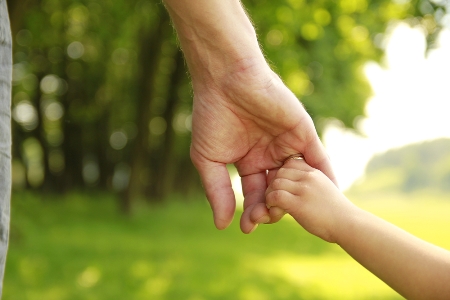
(80, 247)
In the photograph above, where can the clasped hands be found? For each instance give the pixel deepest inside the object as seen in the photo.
(252, 120)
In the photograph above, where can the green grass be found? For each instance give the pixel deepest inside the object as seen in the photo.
(80, 247)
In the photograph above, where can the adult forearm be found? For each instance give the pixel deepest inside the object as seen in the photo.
(411, 266)
(215, 35)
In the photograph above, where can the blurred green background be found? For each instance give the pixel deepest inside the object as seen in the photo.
(106, 203)
(79, 247)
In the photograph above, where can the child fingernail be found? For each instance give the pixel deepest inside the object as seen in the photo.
(264, 220)
(276, 211)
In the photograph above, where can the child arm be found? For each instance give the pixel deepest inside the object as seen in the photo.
(414, 268)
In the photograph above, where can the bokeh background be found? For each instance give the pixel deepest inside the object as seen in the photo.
(106, 203)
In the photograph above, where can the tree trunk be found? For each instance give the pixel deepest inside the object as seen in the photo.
(16, 9)
(149, 56)
(72, 145)
(165, 164)
(39, 134)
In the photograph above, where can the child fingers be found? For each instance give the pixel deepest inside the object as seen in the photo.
(281, 183)
(285, 184)
(276, 214)
(282, 199)
(292, 174)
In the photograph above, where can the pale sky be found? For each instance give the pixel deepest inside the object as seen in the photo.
(411, 103)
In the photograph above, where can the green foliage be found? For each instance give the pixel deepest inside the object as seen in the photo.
(102, 97)
(319, 47)
(418, 166)
(90, 79)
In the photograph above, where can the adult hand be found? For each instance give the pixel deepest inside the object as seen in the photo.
(243, 113)
(250, 118)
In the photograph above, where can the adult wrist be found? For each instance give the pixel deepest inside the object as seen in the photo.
(216, 37)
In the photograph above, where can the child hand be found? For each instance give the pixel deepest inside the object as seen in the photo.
(310, 197)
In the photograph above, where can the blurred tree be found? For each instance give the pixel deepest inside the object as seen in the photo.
(151, 41)
(417, 166)
(102, 99)
(319, 47)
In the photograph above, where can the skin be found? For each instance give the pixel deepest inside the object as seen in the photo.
(243, 114)
(414, 268)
